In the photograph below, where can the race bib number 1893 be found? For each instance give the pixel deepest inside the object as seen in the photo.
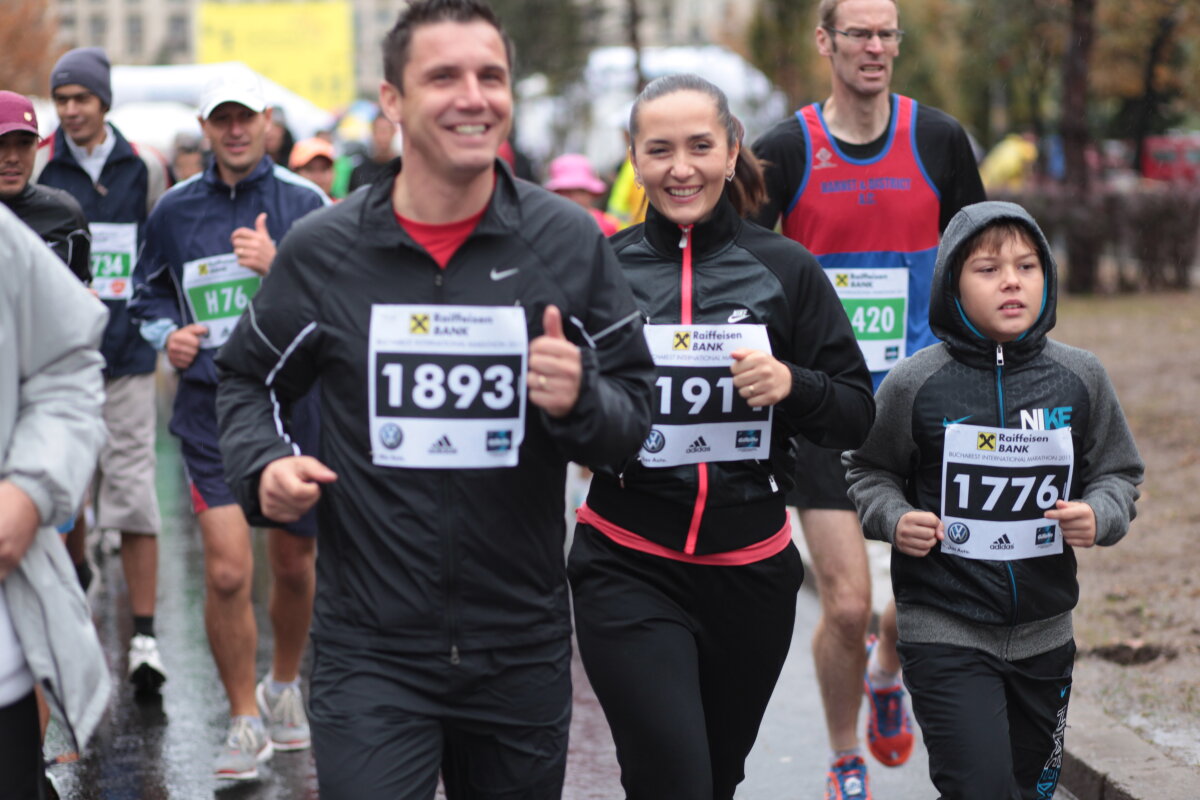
(997, 484)
(447, 386)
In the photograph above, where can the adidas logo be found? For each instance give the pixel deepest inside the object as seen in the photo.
(1003, 543)
(442, 445)
(698, 446)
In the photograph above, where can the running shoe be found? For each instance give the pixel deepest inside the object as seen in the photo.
(284, 716)
(146, 670)
(245, 746)
(847, 780)
(889, 728)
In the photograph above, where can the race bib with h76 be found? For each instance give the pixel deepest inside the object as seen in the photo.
(218, 289)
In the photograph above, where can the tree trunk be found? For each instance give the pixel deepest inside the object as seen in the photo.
(1141, 125)
(1084, 216)
(635, 42)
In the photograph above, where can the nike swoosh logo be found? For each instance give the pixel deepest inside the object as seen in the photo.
(739, 315)
(499, 274)
(946, 423)
(1063, 693)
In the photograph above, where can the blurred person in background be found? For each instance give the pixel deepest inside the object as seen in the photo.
(383, 150)
(116, 183)
(53, 214)
(280, 140)
(313, 159)
(572, 176)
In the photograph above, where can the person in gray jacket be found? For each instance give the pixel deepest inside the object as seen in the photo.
(993, 456)
(51, 430)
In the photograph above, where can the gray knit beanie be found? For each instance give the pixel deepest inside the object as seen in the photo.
(88, 67)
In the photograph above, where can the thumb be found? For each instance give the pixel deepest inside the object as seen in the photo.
(260, 224)
(313, 470)
(552, 323)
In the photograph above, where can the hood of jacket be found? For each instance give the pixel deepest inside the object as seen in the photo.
(946, 317)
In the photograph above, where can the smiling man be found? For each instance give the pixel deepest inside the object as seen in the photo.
(866, 180)
(209, 244)
(471, 334)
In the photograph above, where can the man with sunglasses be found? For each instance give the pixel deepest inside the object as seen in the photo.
(866, 180)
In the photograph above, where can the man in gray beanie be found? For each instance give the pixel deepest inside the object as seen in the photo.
(116, 183)
(88, 67)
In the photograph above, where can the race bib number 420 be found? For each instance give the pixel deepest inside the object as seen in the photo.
(447, 385)
(698, 414)
(997, 485)
(876, 301)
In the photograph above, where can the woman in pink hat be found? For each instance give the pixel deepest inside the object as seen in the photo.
(572, 176)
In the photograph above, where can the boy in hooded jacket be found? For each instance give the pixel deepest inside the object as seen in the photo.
(992, 457)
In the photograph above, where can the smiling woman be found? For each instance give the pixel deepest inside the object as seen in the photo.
(682, 566)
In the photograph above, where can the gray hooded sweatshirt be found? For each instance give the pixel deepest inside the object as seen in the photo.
(1012, 609)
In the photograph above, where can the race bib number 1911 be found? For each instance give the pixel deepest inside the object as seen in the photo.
(997, 484)
(447, 385)
(698, 415)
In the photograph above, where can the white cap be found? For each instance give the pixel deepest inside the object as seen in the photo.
(242, 87)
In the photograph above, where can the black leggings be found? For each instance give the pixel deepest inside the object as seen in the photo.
(683, 659)
(21, 768)
(994, 729)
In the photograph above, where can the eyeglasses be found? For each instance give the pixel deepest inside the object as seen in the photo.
(862, 35)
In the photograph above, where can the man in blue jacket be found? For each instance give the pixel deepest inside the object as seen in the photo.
(117, 184)
(209, 243)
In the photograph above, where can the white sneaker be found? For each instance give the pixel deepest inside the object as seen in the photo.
(245, 746)
(284, 716)
(146, 670)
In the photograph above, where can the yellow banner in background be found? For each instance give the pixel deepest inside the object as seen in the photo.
(307, 47)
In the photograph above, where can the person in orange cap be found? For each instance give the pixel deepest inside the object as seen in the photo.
(572, 176)
(313, 159)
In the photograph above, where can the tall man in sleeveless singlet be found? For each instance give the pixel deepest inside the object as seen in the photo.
(867, 180)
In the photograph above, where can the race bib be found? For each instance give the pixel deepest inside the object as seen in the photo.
(114, 249)
(447, 385)
(876, 301)
(997, 483)
(218, 289)
(698, 415)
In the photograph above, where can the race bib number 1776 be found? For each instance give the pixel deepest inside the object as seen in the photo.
(997, 485)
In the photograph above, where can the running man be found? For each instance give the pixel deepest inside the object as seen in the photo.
(867, 181)
(471, 334)
(208, 245)
(116, 183)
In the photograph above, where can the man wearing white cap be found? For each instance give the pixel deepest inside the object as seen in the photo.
(209, 243)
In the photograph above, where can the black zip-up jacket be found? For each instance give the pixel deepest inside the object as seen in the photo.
(743, 272)
(57, 217)
(1013, 609)
(434, 560)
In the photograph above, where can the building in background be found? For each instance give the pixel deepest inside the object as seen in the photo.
(141, 32)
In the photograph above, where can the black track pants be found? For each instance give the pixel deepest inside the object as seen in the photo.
(494, 724)
(993, 729)
(683, 659)
(21, 770)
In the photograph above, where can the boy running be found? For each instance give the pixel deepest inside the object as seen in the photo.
(993, 456)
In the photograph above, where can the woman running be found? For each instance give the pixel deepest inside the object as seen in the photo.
(683, 570)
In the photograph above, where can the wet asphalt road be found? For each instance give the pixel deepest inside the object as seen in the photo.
(163, 750)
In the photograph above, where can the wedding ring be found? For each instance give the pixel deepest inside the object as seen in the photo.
(542, 382)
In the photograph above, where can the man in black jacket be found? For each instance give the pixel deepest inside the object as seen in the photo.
(52, 213)
(471, 334)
